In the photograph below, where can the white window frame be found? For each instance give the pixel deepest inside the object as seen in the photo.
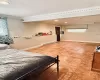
(76, 30)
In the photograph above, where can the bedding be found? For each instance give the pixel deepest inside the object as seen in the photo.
(15, 64)
(3, 46)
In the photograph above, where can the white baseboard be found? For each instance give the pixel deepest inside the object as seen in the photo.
(33, 47)
(56, 41)
(82, 41)
(39, 45)
(49, 42)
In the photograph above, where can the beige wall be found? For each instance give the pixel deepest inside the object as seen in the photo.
(21, 30)
(91, 35)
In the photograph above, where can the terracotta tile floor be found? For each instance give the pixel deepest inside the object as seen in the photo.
(75, 61)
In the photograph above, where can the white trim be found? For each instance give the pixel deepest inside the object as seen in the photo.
(82, 41)
(66, 14)
(49, 42)
(33, 47)
(76, 30)
(56, 41)
(39, 45)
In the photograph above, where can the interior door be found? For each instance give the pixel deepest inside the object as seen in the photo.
(57, 33)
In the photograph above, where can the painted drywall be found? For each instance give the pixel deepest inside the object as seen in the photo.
(20, 30)
(91, 35)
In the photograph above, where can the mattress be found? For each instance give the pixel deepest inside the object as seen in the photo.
(15, 64)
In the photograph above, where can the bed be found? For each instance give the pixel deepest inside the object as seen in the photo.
(17, 64)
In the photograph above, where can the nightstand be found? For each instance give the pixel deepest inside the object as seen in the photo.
(96, 61)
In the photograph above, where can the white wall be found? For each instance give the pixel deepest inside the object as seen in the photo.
(19, 29)
(91, 35)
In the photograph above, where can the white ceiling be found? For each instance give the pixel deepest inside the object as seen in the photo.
(76, 20)
(24, 8)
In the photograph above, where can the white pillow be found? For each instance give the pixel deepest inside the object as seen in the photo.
(3, 46)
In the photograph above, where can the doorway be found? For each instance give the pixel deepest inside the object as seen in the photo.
(57, 29)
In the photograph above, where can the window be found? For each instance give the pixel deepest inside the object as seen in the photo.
(76, 30)
(3, 27)
(4, 33)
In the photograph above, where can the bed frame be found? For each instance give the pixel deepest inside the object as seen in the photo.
(23, 77)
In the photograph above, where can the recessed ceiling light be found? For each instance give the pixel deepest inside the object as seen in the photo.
(4, 2)
(66, 22)
(56, 20)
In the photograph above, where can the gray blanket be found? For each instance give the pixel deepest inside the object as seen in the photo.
(15, 63)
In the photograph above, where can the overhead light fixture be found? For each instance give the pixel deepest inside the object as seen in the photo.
(56, 20)
(66, 22)
(4, 2)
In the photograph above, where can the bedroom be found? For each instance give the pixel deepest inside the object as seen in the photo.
(50, 42)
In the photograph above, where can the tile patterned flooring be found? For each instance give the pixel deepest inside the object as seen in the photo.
(75, 61)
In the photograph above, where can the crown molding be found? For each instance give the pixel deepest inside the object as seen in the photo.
(66, 14)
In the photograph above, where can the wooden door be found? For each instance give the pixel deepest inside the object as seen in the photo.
(57, 33)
